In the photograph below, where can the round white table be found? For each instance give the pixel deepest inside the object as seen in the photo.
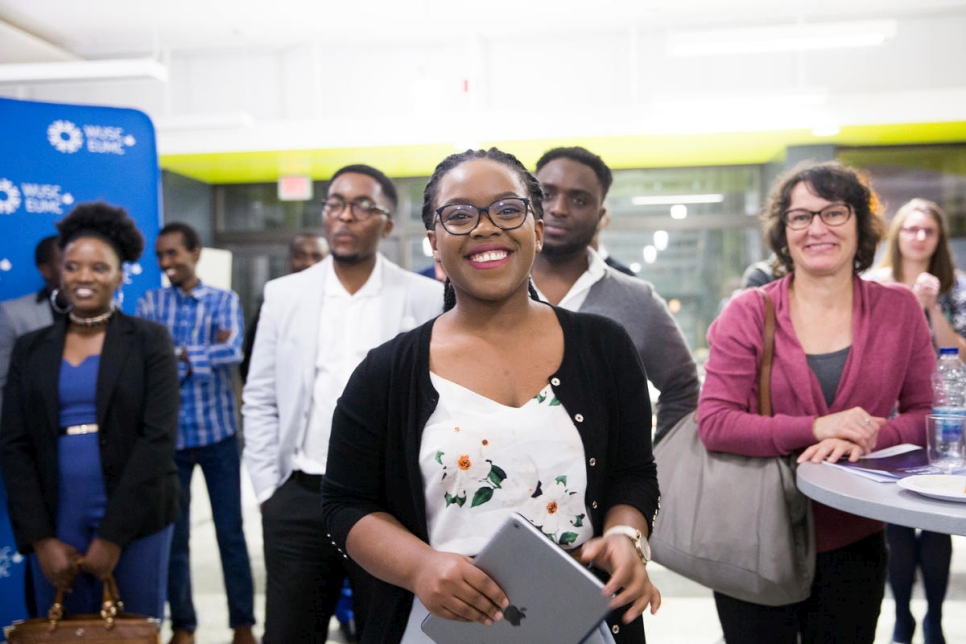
(881, 501)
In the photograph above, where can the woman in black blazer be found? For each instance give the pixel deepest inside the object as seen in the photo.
(87, 436)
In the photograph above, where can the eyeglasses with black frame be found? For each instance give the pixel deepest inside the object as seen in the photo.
(361, 209)
(835, 214)
(463, 218)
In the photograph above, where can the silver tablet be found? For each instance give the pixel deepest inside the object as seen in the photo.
(553, 598)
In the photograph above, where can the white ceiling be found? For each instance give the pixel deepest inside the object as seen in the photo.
(105, 28)
(268, 66)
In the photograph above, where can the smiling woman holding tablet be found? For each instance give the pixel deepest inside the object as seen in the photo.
(502, 404)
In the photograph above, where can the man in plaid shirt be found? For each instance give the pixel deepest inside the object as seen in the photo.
(206, 325)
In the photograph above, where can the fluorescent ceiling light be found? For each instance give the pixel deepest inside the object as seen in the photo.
(828, 129)
(779, 38)
(664, 200)
(83, 70)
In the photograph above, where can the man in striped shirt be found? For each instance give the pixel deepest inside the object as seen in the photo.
(206, 325)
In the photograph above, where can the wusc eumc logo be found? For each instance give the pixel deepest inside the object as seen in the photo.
(65, 136)
(10, 200)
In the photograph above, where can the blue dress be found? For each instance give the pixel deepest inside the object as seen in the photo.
(142, 570)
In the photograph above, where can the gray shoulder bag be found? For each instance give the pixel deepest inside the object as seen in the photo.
(736, 524)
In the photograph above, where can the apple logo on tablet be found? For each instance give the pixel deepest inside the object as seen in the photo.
(514, 615)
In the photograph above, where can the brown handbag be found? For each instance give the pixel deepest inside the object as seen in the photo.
(112, 625)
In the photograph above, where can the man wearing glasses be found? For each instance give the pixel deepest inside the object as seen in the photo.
(315, 327)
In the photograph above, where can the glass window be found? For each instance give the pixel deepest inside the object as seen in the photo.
(689, 231)
(411, 199)
(252, 266)
(933, 172)
(256, 207)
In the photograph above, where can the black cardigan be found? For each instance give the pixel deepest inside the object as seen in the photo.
(137, 412)
(373, 460)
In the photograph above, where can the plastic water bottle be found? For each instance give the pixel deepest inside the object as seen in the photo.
(949, 391)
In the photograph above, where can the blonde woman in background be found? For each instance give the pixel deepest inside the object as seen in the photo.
(917, 254)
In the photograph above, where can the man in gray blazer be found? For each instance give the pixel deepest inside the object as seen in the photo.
(570, 274)
(315, 327)
(32, 311)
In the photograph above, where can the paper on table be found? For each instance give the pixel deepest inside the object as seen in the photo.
(890, 464)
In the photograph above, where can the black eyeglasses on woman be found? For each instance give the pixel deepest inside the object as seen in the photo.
(462, 219)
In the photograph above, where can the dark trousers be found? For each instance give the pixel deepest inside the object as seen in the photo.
(221, 465)
(843, 607)
(304, 570)
(931, 552)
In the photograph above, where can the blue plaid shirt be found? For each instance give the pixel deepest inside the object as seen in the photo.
(207, 399)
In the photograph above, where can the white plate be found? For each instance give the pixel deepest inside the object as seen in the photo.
(946, 487)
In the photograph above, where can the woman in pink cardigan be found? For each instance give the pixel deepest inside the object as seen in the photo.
(851, 373)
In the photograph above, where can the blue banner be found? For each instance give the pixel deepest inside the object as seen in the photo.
(53, 156)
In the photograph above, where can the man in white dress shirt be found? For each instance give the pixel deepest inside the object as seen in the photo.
(315, 328)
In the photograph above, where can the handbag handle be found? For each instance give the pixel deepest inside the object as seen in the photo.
(768, 354)
(110, 607)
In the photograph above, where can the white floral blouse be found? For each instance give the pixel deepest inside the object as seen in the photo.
(482, 461)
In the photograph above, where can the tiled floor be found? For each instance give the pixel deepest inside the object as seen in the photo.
(687, 616)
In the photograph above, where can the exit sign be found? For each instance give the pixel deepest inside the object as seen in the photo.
(294, 188)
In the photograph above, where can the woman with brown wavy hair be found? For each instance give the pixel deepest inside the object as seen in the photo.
(847, 353)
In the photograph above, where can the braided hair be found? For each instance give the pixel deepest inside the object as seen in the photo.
(534, 194)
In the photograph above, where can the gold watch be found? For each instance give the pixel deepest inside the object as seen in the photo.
(640, 541)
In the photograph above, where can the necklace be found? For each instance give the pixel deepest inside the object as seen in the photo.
(90, 323)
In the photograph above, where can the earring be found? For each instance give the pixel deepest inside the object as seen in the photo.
(118, 300)
(55, 304)
(436, 255)
(539, 247)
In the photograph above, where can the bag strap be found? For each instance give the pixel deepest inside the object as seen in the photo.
(112, 605)
(768, 354)
(110, 608)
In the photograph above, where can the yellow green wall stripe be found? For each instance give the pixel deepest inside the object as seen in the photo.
(651, 151)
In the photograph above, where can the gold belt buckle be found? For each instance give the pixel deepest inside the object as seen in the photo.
(76, 430)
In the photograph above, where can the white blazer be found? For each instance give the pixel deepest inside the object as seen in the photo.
(278, 393)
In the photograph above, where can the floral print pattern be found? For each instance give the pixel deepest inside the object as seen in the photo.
(486, 466)
(468, 469)
(557, 511)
